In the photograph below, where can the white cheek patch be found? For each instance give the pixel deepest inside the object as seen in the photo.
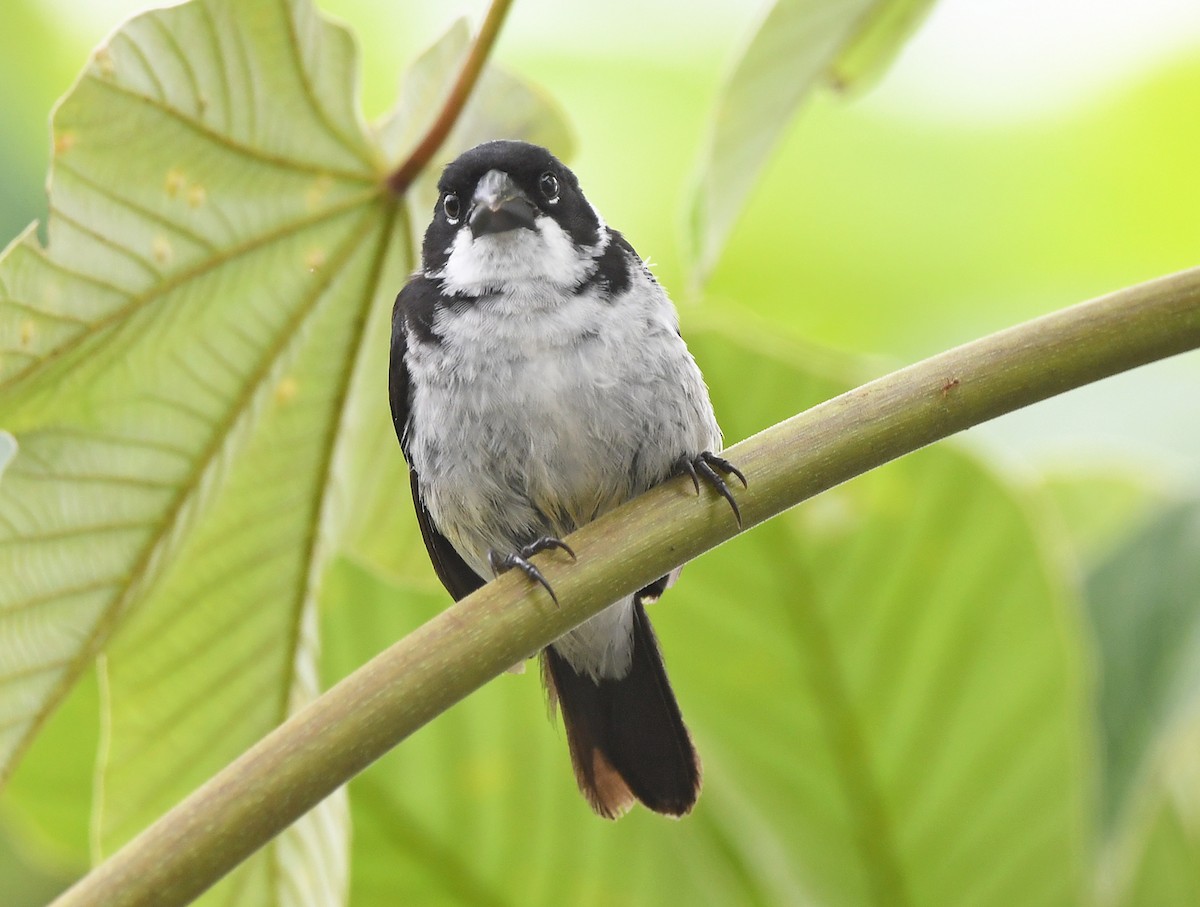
(516, 258)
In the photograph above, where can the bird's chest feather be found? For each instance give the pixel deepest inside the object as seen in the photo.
(529, 418)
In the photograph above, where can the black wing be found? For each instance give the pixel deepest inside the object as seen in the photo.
(459, 579)
(415, 300)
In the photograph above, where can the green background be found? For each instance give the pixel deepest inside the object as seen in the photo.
(967, 678)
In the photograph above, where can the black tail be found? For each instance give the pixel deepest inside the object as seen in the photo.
(627, 738)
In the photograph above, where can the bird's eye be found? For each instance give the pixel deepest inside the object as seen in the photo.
(549, 186)
(452, 207)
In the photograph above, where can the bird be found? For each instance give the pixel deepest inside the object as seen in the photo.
(537, 380)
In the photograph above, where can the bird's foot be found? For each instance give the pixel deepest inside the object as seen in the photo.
(502, 563)
(705, 466)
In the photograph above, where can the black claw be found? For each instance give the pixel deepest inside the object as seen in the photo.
(702, 465)
(502, 563)
(685, 465)
(722, 488)
(545, 543)
(725, 466)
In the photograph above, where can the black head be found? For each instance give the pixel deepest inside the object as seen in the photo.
(510, 211)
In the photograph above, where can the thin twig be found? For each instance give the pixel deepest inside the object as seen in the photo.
(399, 181)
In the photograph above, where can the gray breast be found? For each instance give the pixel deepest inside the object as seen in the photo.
(533, 415)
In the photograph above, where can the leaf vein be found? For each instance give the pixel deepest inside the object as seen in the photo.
(106, 191)
(218, 356)
(305, 78)
(228, 142)
(250, 104)
(107, 241)
(169, 37)
(66, 431)
(127, 37)
(235, 713)
(210, 28)
(179, 406)
(198, 378)
(218, 580)
(42, 313)
(875, 837)
(70, 532)
(24, 674)
(67, 271)
(46, 598)
(320, 512)
(90, 478)
(182, 277)
(162, 533)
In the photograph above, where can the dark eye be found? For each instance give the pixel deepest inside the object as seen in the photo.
(549, 186)
(452, 208)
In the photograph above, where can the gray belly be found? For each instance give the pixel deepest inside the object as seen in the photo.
(533, 447)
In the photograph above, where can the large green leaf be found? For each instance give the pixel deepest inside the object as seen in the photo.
(797, 45)
(180, 357)
(887, 688)
(929, 737)
(193, 368)
(209, 206)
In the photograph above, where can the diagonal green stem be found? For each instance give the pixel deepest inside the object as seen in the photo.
(399, 181)
(360, 719)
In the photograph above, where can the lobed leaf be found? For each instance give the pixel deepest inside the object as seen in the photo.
(178, 358)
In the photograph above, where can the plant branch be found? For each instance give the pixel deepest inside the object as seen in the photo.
(399, 181)
(376, 707)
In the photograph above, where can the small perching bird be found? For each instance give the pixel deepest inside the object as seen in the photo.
(538, 379)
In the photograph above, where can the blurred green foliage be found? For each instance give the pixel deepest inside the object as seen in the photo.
(944, 683)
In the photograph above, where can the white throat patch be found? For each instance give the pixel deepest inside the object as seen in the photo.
(517, 259)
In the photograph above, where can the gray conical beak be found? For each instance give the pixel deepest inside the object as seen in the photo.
(499, 205)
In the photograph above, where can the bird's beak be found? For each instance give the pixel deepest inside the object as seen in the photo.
(499, 205)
